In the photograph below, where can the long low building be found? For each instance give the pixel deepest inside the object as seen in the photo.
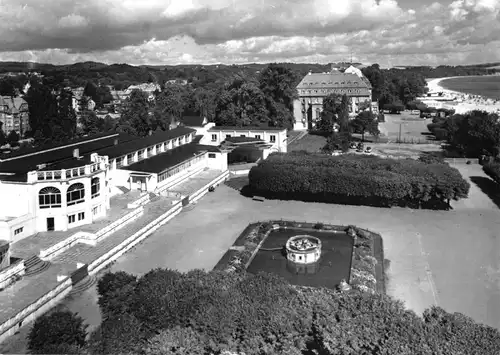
(58, 188)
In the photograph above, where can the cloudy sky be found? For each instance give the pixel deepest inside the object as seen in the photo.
(389, 32)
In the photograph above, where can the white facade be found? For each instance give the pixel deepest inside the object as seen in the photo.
(276, 137)
(54, 200)
(61, 199)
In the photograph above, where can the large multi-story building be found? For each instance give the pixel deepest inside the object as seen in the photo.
(14, 115)
(314, 87)
(58, 188)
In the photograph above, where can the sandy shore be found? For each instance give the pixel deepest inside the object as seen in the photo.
(467, 102)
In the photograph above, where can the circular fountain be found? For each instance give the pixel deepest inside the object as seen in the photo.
(303, 249)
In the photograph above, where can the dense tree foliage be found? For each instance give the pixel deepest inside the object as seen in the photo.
(13, 138)
(61, 332)
(394, 87)
(136, 118)
(51, 114)
(221, 313)
(365, 122)
(357, 179)
(492, 169)
(472, 134)
(99, 94)
(330, 114)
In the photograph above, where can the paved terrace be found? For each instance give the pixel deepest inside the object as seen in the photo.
(30, 288)
(32, 245)
(196, 182)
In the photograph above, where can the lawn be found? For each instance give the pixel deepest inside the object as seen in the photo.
(310, 143)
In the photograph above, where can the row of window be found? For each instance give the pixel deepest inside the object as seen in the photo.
(326, 91)
(272, 137)
(50, 197)
(141, 154)
(171, 172)
(72, 218)
(70, 173)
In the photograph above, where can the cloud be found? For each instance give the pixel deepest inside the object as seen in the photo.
(209, 31)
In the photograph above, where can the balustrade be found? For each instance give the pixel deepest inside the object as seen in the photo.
(69, 173)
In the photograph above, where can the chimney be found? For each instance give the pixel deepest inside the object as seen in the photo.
(115, 142)
(76, 153)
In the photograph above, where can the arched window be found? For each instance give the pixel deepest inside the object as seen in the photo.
(95, 187)
(75, 194)
(49, 197)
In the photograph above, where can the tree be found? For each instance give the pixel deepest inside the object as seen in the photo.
(66, 117)
(338, 141)
(3, 139)
(42, 107)
(177, 341)
(330, 113)
(13, 138)
(7, 87)
(108, 287)
(135, 118)
(278, 83)
(344, 114)
(365, 122)
(169, 107)
(56, 332)
(90, 123)
(242, 103)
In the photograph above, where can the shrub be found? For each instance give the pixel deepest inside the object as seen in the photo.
(114, 290)
(492, 169)
(57, 333)
(319, 226)
(231, 312)
(431, 159)
(343, 179)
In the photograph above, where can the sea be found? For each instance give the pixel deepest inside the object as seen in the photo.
(486, 86)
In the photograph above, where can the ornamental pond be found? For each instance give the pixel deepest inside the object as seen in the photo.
(333, 266)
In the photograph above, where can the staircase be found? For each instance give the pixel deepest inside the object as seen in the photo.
(34, 265)
(83, 285)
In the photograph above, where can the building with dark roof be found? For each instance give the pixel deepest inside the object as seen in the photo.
(60, 187)
(14, 115)
(275, 137)
(314, 87)
(194, 121)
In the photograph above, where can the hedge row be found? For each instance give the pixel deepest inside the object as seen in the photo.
(338, 179)
(492, 170)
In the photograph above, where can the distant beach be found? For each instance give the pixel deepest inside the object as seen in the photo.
(485, 86)
(465, 93)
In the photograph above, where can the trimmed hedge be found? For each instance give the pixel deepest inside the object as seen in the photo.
(492, 170)
(362, 179)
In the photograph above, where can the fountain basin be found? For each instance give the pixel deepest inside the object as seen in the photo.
(303, 249)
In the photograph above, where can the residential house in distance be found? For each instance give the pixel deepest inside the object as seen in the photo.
(314, 87)
(63, 187)
(149, 88)
(14, 115)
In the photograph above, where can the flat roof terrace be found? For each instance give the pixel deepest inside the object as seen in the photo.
(196, 182)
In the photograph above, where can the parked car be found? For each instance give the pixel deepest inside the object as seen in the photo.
(368, 150)
(352, 145)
